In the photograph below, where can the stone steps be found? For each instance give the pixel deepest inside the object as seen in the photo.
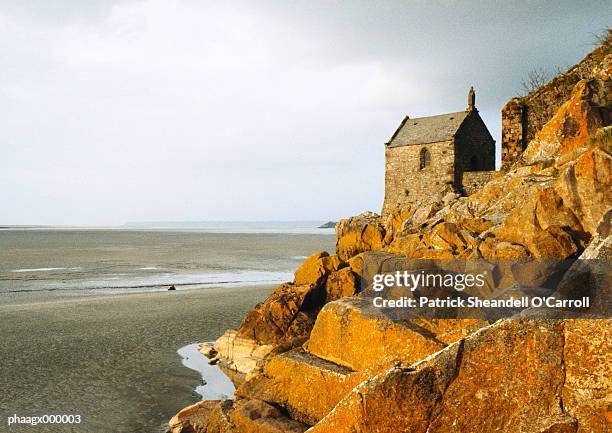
(308, 387)
(511, 376)
(349, 344)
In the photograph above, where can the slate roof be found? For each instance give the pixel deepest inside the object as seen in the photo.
(422, 130)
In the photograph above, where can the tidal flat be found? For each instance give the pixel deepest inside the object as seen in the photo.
(111, 359)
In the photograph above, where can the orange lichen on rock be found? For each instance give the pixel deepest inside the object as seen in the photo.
(340, 284)
(353, 334)
(572, 125)
(320, 357)
(585, 186)
(283, 316)
(193, 418)
(308, 387)
(588, 373)
(315, 268)
(510, 376)
(256, 416)
(357, 234)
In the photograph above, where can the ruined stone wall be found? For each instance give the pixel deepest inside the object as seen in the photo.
(523, 117)
(406, 183)
(473, 181)
(514, 133)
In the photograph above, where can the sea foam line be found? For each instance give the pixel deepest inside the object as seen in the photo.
(44, 269)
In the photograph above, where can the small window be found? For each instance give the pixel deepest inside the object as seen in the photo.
(424, 158)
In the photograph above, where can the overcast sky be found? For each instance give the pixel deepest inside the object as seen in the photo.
(149, 110)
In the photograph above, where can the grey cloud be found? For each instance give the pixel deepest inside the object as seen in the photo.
(193, 110)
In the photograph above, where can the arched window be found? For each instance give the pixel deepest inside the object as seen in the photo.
(474, 163)
(424, 158)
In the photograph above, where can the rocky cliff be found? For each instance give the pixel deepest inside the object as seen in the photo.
(312, 357)
(523, 116)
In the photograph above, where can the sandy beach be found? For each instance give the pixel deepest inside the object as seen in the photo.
(111, 359)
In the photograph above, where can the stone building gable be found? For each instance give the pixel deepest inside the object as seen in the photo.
(475, 150)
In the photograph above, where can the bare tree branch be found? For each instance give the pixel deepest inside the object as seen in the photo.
(535, 79)
(602, 38)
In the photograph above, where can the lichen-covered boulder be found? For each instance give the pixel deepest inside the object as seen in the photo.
(287, 314)
(394, 222)
(315, 268)
(585, 187)
(219, 421)
(573, 123)
(445, 236)
(495, 249)
(358, 234)
(256, 416)
(340, 284)
(194, 418)
(351, 334)
(306, 386)
(588, 373)
(514, 375)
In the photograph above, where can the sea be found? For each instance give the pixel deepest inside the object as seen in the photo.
(90, 329)
(143, 257)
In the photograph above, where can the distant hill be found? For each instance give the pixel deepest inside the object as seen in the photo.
(328, 225)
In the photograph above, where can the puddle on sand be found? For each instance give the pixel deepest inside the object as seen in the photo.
(216, 385)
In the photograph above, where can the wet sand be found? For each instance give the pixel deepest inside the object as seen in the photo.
(111, 359)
